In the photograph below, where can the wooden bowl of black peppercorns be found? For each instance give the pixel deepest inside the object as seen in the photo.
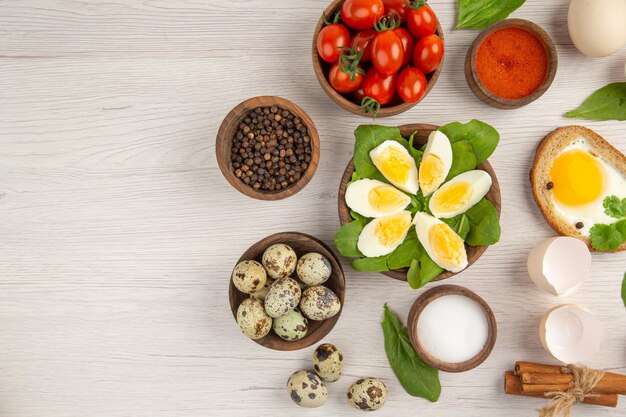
(267, 148)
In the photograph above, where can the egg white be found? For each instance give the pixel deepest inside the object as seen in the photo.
(411, 185)
(357, 198)
(480, 184)
(423, 223)
(369, 245)
(439, 146)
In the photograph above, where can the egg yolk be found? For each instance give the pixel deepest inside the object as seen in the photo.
(385, 198)
(390, 230)
(393, 164)
(452, 197)
(447, 246)
(431, 172)
(577, 177)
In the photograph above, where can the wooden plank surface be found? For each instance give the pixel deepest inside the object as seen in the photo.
(118, 233)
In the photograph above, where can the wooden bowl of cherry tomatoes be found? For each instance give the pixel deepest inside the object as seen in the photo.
(377, 57)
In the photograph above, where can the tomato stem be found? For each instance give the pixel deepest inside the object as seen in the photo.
(335, 20)
(350, 58)
(370, 105)
(416, 4)
(388, 22)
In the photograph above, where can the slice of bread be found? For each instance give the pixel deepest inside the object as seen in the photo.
(547, 151)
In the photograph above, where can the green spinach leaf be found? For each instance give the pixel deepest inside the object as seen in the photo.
(378, 264)
(463, 158)
(347, 237)
(406, 252)
(484, 138)
(607, 103)
(422, 270)
(415, 153)
(367, 138)
(484, 224)
(417, 377)
(478, 14)
(624, 290)
(460, 224)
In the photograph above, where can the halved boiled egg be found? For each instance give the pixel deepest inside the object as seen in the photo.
(396, 165)
(436, 162)
(373, 198)
(441, 243)
(459, 194)
(383, 235)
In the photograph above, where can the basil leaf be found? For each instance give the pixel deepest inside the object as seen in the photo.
(378, 264)
(483, 137)
(347, 237)
(615, 207)
(624, 290)
(484, 224)
(479, 14)
(367, 138)
(463, 159)
(607, 103)
(608, 237)
(417, 378)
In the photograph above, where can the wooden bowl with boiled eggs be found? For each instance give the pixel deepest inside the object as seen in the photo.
(294, 309)
(422, 131)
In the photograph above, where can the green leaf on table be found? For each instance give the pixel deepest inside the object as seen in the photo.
(367, 137)
(484, 224)
(377, 264)
(347, 237)
(608, 237)
(484, 138)
(607, 103)
(416, 377)
(614, 207)
(478, 14)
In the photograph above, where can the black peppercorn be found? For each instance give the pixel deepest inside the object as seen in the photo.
(550, 185)
(580, 225)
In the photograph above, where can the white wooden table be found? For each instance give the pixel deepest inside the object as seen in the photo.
(118, 232)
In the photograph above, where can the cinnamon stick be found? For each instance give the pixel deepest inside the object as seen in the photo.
(513, 386)
(610, 383)
(545, 379)
(542, 389)
(536, 368)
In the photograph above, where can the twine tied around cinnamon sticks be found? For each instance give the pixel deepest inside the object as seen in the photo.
(585, 380)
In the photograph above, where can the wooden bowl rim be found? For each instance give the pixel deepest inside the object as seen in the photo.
(423, 300)
(349, 105)
(272, 341)
(234, 117)
(551, 54)
(400, 274)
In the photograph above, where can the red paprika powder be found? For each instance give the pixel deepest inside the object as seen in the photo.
(512, 63)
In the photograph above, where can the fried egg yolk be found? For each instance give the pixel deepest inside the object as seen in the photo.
(578, 178)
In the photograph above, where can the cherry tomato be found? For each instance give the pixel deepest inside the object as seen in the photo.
(362, 14)
(421, 21)
(330, 41)
(428, 53)
(379, 86)
(411, 85)
(365, 41)
(387, 52)
(359, 94)
(396, 8)
(407, 44)
(341, 80)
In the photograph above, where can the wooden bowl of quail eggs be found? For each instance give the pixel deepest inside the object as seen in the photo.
(286, 291)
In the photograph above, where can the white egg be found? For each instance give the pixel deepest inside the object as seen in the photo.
(373, 198)
(396, 165)
(570, 333)
(597, 27)
(383, 235)
(436, 162)
(459, 194)
(582, 179)
(441, 243)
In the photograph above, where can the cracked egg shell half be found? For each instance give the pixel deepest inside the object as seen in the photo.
(571, 333)
(559, 265)
(383, 235)
(397, 165)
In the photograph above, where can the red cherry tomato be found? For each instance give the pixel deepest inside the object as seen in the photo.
(396, 8)
(428, 53)
(330, 41)
(387, 52)
(379, 86)
(421, 21)
(362, 14)
(341, 81)
(359, 95)
(411, 85)
(407, 44)
(365, 41)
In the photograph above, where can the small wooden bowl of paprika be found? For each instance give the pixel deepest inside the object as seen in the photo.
(511, 64)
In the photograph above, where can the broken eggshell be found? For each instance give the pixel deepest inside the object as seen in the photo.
(571, 333)
(559, 265)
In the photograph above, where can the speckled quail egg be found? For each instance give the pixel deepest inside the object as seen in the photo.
(313, 268)
(249, 276)
(319, 303)
(307, 389)
(261, 293)
(279, 260)
(253, 321)
(367, 394)
(291, 326)
(283, 296)
(328, 362)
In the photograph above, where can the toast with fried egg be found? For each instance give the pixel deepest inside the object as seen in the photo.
(574, 170)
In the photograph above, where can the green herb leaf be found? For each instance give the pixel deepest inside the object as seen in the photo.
(624, 290)
(415, 153)
(484, 224)
(463, 158)
(417, 378)
(422, 270)
(367, 138)
(615, 207)
(378, 264)
(484, 138)
(347, 237)
(357, 216)
(608, 237)
(478, 14)
(460, 224)
(406, 252)
(607, 103)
